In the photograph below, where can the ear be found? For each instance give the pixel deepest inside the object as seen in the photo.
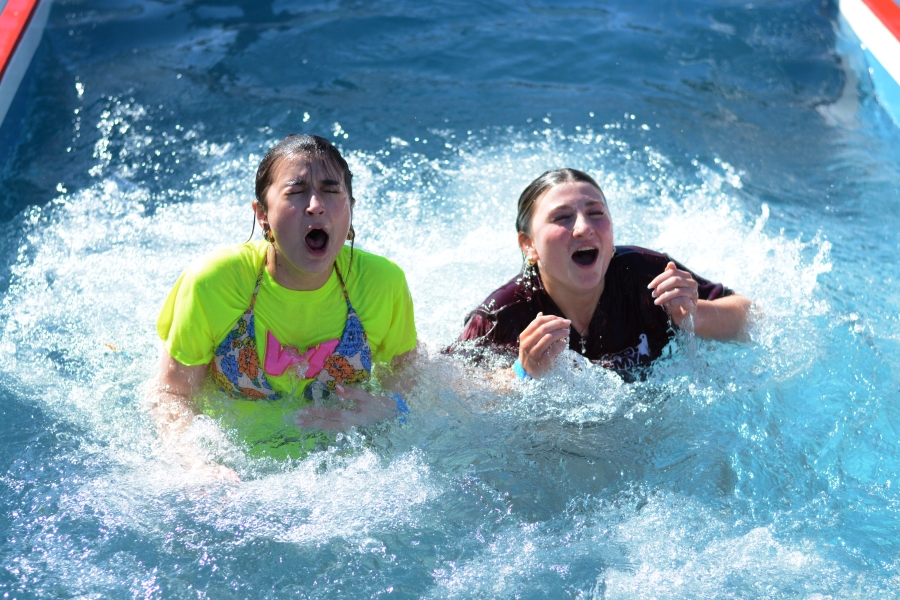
(261, 217)
(527, 247)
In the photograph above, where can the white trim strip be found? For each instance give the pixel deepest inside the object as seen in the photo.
(880, 41)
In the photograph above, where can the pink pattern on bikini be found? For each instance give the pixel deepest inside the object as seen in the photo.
(280, 358)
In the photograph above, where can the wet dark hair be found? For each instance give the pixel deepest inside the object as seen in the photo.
(539, 186)
(301, 145)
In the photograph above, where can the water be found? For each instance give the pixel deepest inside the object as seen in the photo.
(744, 139)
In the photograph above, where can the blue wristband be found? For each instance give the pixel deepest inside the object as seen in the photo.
(402, 408)
(520, 371)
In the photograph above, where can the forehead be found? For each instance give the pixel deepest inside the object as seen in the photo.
(575, 194)
(297, 167)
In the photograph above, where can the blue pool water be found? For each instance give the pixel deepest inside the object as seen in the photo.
(742, 138)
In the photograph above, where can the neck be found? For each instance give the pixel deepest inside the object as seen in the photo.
(577, 305)
(289, 277)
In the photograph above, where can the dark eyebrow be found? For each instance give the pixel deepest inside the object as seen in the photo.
(294, 182)
(330, 182)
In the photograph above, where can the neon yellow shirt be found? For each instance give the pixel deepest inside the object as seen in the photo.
(214, 292)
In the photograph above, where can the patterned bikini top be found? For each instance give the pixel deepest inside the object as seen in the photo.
(237, 370)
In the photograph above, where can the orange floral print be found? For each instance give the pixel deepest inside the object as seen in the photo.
(339, 368)
(253, 394)
(248, 362)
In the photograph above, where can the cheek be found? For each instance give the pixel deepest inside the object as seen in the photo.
(551, 245)
(556, 238)
(342, 218)
(279, 214)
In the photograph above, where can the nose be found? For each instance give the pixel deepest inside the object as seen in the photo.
(582, 228)
(315, 206)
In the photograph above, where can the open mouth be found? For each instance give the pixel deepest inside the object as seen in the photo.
(585, 257)
(316, 241)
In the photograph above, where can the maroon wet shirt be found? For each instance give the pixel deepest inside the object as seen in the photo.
(626, 331)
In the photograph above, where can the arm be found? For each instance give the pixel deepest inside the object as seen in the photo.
(170, 399)
(723, 318)
(720, 319)
(172, 407)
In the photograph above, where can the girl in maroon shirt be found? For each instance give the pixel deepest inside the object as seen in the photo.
(617, 306)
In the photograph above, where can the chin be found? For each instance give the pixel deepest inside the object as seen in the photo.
(589, 281)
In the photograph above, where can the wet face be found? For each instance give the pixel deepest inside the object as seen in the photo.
(571, 238)
(308, 212)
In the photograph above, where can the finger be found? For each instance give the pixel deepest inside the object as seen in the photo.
(544, 343)
(542, 320)
(320, 417)
(558, 327)
(350, 393)
(534, 337)
(354, 398)
(679, 310)
(688, 294)
(362, 399)
(680, 280)
(536, 360)
(556, 349)
(674, 280)
(668, 272)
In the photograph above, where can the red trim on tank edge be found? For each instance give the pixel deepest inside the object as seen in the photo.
(888, 13)
(14, 22)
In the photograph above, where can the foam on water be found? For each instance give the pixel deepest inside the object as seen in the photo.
(580, 485)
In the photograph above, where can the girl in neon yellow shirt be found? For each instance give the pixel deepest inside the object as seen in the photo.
(292, 321)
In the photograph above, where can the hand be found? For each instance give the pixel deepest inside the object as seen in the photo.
(676, 291)
(541, 342)
(358, 408)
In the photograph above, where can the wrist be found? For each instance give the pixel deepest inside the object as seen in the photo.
(402, 408)
(520, 371)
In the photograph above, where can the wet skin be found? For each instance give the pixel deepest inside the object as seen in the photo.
(571, 241)
(308, 212)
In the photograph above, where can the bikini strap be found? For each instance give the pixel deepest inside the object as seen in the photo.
(341, 279)
(256, 289)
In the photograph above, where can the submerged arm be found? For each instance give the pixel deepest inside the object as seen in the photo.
(359, 407)
(172, 407)
(171, 400)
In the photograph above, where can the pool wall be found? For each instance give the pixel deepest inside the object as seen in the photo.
(877, 24)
